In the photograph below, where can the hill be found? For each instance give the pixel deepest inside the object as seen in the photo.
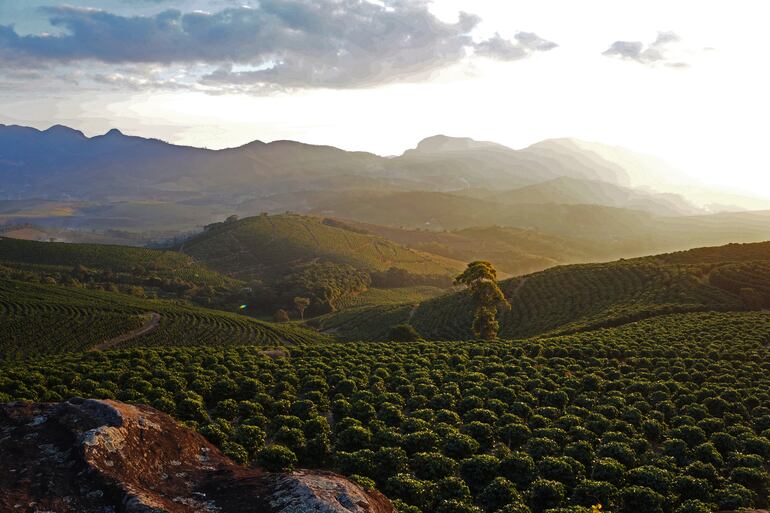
(513, 251)
(263, 245)
(115, 166)
(118, 259)
(36, 163)
(456, 162)
(336, 273)
(326, 260)
(136, 271)
(40, 319)
(577, 298)
(612, 232)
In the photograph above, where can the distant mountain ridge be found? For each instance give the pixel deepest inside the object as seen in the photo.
(576, 191)
(62, 162)
(139, 185)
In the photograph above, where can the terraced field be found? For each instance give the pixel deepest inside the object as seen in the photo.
(38, 319)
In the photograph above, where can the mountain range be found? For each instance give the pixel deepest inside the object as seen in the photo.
(59, 183)
(61, 163)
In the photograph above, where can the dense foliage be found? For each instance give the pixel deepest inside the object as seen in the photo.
(663, 415)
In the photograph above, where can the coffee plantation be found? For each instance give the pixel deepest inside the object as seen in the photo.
(665, 415)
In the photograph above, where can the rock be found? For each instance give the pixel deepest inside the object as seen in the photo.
(90, 456)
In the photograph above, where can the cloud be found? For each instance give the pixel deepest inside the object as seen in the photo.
(281, 43)
(503, 49)
(665, 50)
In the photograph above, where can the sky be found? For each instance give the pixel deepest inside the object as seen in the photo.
(685, 80)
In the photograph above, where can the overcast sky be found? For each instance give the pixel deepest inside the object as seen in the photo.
(685, 80)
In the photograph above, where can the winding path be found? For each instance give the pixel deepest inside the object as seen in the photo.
(153, 319)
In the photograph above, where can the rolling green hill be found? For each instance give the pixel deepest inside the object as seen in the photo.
(354, 265)
(289, 255)
(38, 319)
(270, 245)
(577, 298)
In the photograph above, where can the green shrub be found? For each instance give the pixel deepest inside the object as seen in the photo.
(640, 499)
(544, 495)
(498, 493)
(276, 458)
(478, 471)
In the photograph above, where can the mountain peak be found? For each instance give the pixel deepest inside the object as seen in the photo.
(113, 132)
(440, 143)
(63, 130)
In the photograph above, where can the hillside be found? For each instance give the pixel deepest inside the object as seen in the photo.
(575, 298)
(134, 271)
(513, 251)
(40, 319)
(337, 273)
(118, 259)
(263, 245)
(573, 191)
(612, 232)
(718, 254)
(457, 162)
(287, 256)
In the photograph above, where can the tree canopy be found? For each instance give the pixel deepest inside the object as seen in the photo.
(481, 278)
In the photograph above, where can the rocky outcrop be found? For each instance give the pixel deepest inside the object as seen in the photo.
(90, 456)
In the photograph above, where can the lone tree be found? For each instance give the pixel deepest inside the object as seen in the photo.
(300, 303)
(481, 278)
